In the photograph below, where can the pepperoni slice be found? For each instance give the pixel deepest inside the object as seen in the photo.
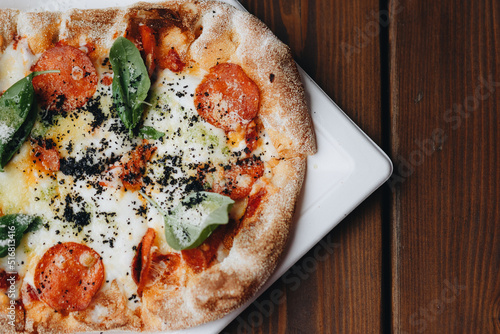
(73, 86)
(130, 170)
(134, 168)
(141, 263)
(68, 276)
(227, 98)
(236, 181)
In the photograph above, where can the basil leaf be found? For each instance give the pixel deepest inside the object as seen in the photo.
(194, 219)
(130, 82)
(17, 116)
(12, 229)
(149, 132)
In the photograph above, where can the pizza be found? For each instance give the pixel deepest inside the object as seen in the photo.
(151, 158)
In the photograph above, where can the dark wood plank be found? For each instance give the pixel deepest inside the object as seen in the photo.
(343, 293)
(446, 235)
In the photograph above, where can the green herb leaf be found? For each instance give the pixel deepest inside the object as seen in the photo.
(130, 82)
(194, 219)
(149, 132)
(12, 229)
(17, 116)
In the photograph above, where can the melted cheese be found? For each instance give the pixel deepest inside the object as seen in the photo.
(15, 63)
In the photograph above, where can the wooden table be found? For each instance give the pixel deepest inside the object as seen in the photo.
(422, 254)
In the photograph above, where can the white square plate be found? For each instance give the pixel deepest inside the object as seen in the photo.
(348, 167)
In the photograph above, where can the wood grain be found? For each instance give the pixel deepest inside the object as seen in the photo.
(343, 293)
(445, 135)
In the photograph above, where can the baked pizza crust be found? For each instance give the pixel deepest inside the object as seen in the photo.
(227, 35)
(253, 257)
